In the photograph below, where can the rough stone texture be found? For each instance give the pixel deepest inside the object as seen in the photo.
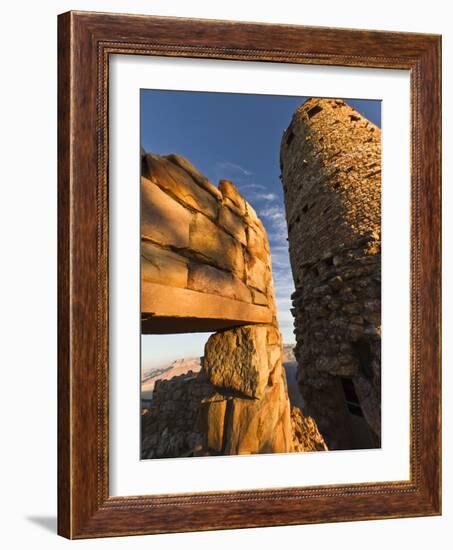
(200, 178)
(259, 297)
(331, 163)
(213, 421)
(179, 183)
(172, 425)
(196, 236)
(258, 273)
(164, 220)
(257, 242)
(163, 266)
(237, 359)
(208, 279)
(306, 433)
(233, 223)
(232, 197)
(331, 166)
(213, 244)
(260, 426)
(188, 416)
(172, 310)
(208, 267)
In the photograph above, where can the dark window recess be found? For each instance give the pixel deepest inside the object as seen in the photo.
(362, 351)
(354, 117)
(314, 111)
(350, 395)
(356, 410)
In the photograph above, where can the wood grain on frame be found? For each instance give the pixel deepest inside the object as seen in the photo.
(85, 42)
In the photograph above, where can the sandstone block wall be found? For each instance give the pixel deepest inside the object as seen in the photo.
(197, 238)
(331, 166)
(206, 265)
(218, 412)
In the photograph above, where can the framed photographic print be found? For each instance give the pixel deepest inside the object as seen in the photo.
(249, 275)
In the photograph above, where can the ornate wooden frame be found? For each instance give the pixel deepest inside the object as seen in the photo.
(85, 41)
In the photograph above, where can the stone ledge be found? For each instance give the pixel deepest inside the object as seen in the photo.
(172, 310)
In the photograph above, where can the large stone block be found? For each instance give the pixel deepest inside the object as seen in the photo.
(162, 266)
(178, 182)
(232, 195)
(163, 220)
(212, 423)
(257, 244)
(273, 336)
(258, 275)
(252, 216)
(259, 426)
(274, 356)
(233, 223)
(214, 244)
(200, 178)
(259, 298)
(205, 278)
(237, 359)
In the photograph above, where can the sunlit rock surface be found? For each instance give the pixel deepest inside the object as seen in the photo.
(206, 266)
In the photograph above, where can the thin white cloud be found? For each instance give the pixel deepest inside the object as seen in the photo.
(254, 186)
(266, 196)
(280, 258)
(283, 294)
(276, 215)
(227, 170)
(273, 212)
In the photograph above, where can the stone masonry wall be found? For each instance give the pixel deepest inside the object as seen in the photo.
(209, 242)
(331, 165)
(202, 239)
(237, 404)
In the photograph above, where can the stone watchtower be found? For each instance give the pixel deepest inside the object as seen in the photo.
(331, 173)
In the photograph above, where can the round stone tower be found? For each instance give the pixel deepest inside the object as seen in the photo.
(331, 174)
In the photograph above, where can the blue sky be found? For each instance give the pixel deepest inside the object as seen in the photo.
(236, 137)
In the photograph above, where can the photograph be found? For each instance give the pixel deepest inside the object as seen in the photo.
(260, 274)
(249, 272)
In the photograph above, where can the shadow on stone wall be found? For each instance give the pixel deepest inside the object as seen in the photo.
(331, 175)
(206, 266)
